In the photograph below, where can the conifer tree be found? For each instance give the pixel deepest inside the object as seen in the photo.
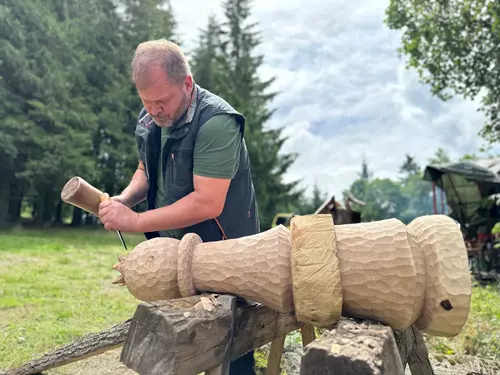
(228, 51)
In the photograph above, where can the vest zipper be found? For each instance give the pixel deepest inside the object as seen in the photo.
(172, 168)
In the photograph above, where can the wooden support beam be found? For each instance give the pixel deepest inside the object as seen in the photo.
(188, 335)
(353, 348)
(413, 351)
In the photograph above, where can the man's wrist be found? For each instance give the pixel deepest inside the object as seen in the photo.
(141, 224)
(138, 224)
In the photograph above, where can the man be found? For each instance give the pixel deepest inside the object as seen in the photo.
(194, 167)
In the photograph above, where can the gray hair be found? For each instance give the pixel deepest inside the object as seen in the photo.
(159, 53)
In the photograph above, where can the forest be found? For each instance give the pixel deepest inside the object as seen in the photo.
(68, 108)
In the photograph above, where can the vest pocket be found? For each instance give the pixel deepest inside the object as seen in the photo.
(181, 167)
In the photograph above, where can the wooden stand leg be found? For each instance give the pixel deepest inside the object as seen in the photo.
(277, 346)
(274, 359)
(308, 335)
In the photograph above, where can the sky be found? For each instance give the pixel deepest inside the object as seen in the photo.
(344, 92)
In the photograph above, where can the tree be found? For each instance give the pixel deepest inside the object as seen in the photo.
(205, 61)
(225, 61)
(318, 198)
(365, 172)
(68, 106)
(440, 157)
(453, 46)
(410, 166)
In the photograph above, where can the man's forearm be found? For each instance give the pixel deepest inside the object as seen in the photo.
(137, 190)
(190, 210)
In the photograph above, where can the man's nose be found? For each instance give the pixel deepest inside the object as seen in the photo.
(154, 109)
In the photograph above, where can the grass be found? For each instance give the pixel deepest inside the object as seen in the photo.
(55, 286)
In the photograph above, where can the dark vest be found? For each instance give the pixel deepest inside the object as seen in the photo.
(240, 216)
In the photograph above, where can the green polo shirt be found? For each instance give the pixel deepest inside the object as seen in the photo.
(216, 153)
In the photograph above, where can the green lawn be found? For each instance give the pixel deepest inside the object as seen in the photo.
(55, 286)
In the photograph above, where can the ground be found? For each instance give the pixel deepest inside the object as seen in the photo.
(55, 286)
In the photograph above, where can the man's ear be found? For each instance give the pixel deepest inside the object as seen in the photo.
(188, 83)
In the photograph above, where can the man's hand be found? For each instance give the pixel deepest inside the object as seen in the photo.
(116, 216)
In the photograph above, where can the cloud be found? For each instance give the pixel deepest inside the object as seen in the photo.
(344, 92)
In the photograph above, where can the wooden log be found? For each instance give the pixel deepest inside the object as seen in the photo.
(89, 345)
(353, 348)
(385, 271)
(188, 335)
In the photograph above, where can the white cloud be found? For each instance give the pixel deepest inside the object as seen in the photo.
(344, 92)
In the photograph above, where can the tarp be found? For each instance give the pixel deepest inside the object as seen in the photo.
(468, 186)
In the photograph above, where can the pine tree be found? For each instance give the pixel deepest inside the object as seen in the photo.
(242, 87)
(205, 61)
(365, 173)
(318, 198)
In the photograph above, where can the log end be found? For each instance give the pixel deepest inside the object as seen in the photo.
(150, 270)
(449, 287)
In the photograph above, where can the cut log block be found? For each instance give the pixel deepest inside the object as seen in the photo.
(353, 348)
(89, 345)
(188, 335)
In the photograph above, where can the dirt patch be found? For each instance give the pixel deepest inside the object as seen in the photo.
(109, 363)
(463, 365)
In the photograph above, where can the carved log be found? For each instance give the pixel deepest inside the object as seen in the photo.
(384, 271)
(89, 345)
(189, 335)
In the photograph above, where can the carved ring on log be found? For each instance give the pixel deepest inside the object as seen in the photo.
(385, 271)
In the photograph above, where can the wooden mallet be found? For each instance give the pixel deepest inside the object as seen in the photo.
(81, 194)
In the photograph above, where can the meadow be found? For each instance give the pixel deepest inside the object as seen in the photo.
(55, 286)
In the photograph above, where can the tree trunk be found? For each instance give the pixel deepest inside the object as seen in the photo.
(4, 203)
(76, 221)
(16, 201)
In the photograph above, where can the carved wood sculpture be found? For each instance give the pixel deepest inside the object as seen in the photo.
(384, 271)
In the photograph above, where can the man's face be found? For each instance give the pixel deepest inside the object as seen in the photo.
(164, 100)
